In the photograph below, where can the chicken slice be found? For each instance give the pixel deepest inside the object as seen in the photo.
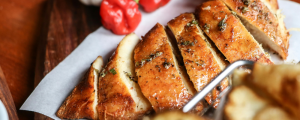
(119, 96)
(161, 80)
(202, 61)
(228, 33)
(81, 103)
(265, 24)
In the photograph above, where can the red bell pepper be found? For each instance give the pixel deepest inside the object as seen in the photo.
(151, 5)
(120, 16)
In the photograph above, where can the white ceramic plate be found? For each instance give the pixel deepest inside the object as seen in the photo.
(3, 112)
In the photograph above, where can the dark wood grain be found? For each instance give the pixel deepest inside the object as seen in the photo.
(20, 26)
(6, 98)
(70, 22)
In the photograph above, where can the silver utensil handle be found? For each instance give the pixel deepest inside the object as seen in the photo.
(200, 95)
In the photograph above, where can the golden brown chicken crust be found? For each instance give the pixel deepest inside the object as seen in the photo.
(158, 78)
(80, 103)
(114, 98)
(259, 15)
(201, 64)
(228, 33)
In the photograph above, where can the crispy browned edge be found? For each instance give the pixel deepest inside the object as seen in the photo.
(80, 109)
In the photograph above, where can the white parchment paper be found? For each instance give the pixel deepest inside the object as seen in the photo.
(57, 85)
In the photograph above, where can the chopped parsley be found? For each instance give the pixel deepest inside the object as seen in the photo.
(245, 9)
(129, 75)
(113, 71)
(103, 73)
(222, 24)
(246, 2)
(200, 63)
(194, 22)
(167, 65)
(206, 27)
(158, 54)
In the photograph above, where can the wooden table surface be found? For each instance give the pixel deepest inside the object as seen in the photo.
(20, 28)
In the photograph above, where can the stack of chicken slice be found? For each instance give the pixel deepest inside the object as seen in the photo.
(147, 74)
(201, 59)
(229, 34)
(163, 82)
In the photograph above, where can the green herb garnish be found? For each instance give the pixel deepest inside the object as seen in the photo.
(192, 44)
(103, 73)
(113, 71)
(200, 63)
(158, 54)
(245, 9)
(206, 27)
(167, 65)
(246, 2)
(142, 62)
(188, 24)
(222, 24)
(96, 70)
(129, 75)
(194, 22)
(149, 59)
(185, 43)
(137, 64)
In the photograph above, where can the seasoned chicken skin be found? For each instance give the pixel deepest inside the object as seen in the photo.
(81, 102)
(161, 80)
(202, 61)
(228, 33)
(119, 96)
(265, 24)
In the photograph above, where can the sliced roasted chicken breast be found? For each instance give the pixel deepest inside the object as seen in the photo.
(119, 96)
(202, 61)
(264, 23)
(161, 80)
(82, 101)
(228, 33)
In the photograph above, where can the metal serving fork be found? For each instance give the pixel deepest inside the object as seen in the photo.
(199, 96)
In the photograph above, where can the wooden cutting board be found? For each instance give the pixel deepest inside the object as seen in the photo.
(67, 23)
(6, 98)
